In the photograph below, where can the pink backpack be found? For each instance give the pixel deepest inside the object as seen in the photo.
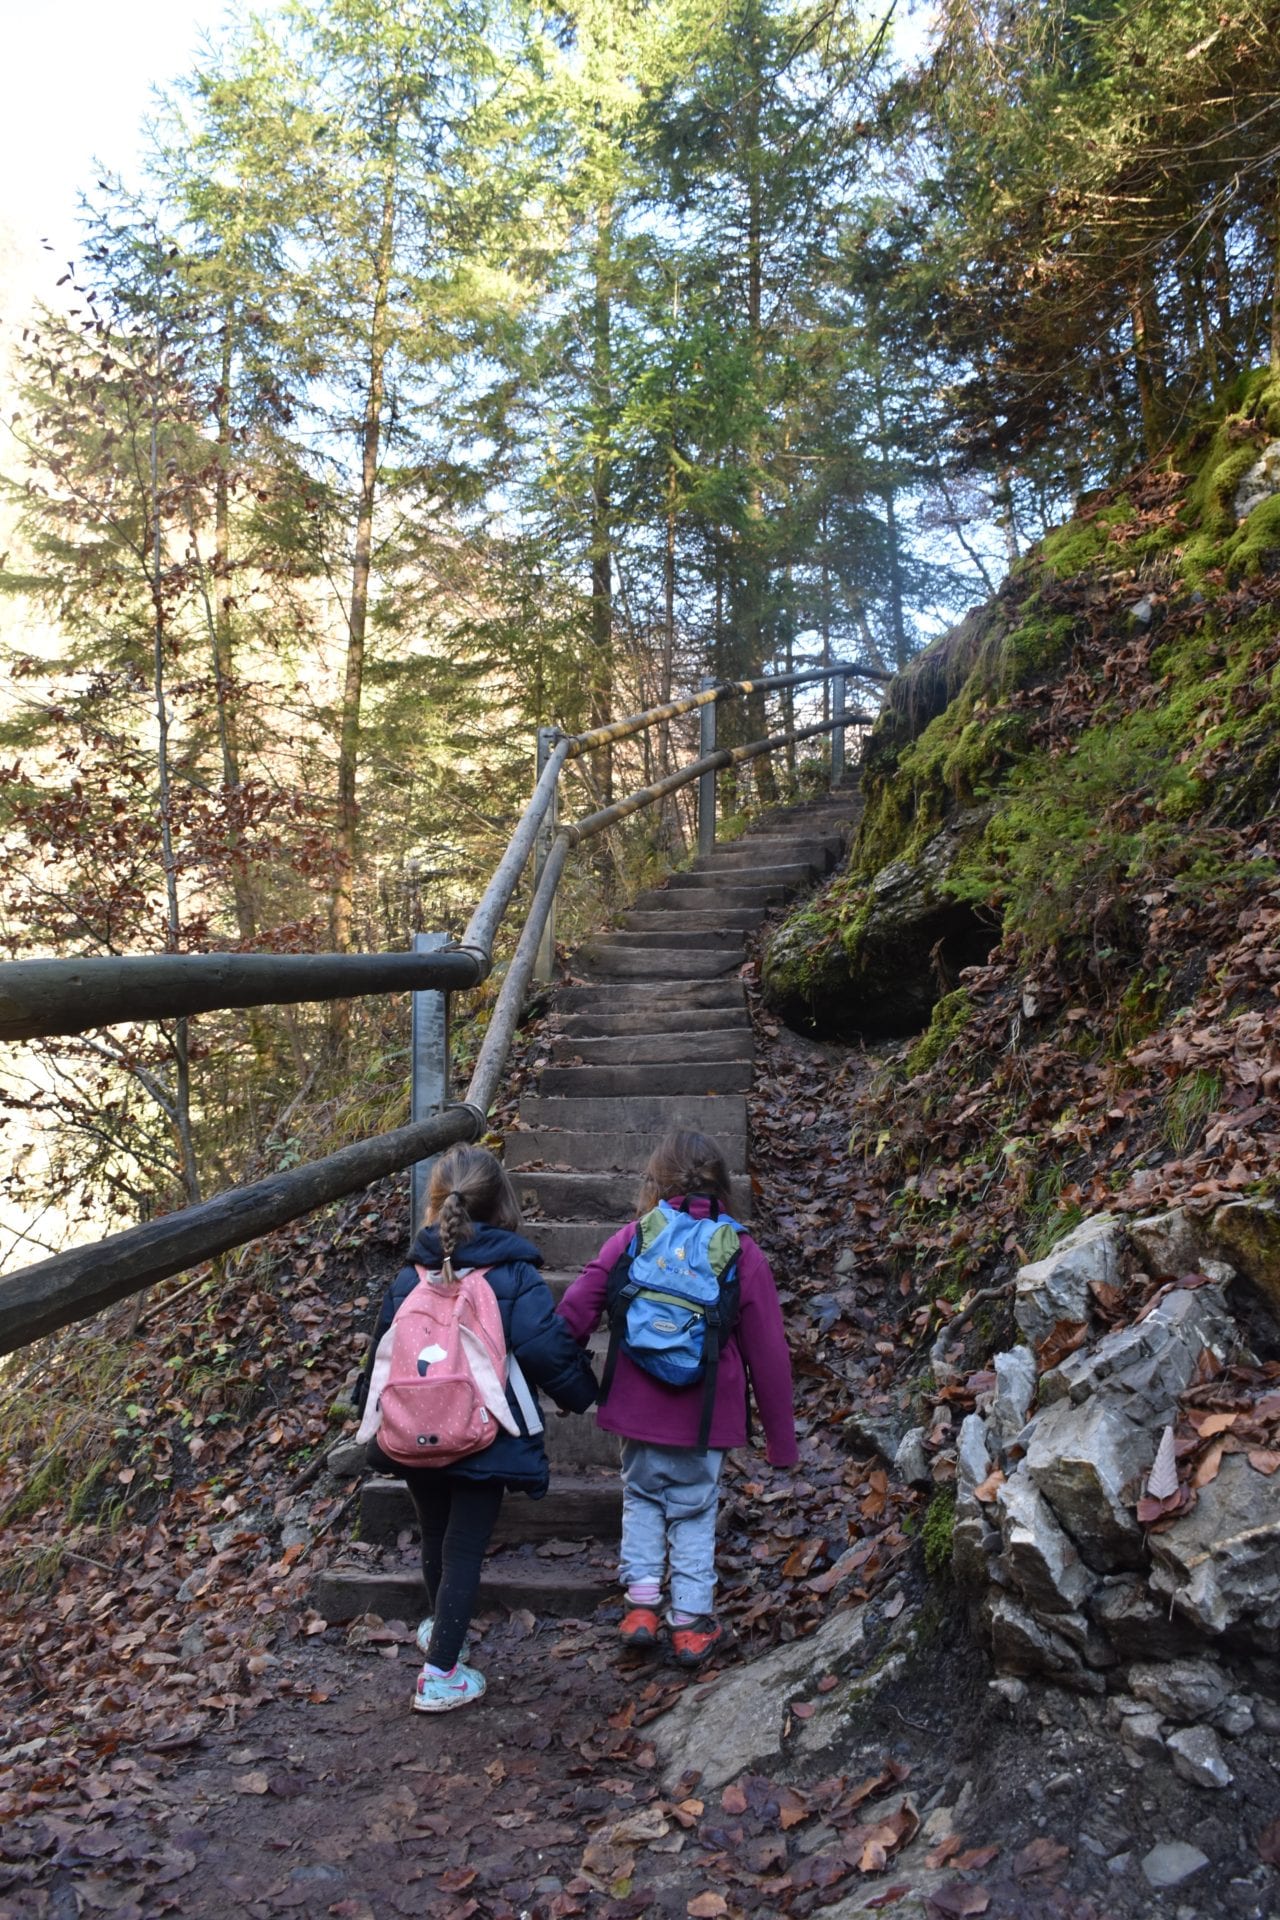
(438, 1390)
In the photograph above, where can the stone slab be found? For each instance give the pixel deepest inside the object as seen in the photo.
(736, 1721)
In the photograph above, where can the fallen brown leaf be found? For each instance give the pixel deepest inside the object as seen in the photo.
(1039, 1856)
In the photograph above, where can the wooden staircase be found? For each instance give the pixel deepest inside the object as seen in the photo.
(653, 1032)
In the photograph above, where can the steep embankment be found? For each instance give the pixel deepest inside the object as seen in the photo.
(1073, 796)
(1063, 910)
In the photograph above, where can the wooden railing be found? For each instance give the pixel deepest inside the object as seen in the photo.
(46, 997)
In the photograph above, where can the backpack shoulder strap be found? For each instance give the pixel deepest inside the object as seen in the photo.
(617, 1301)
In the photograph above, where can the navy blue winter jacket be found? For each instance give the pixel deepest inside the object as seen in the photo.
(551, 1358)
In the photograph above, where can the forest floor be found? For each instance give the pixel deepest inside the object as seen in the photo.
(185, 1736)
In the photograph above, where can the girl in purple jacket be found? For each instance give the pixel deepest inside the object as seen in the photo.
(669, 1487)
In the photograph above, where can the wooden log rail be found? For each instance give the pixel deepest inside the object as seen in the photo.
(52, 996)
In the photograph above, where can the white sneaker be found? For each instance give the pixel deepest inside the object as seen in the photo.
(424, 1639)
(442, 1692)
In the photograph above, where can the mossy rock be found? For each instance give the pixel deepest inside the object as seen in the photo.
(880, 974)
(1141, 788)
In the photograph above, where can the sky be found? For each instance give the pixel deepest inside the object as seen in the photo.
(75, 87)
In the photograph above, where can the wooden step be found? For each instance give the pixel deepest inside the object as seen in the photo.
(670, 930)
(818, 852)
(610, 1196)
(567, 1245)
(741, 919)
(712, 895)
(792, 874)
(715, 1114)
(578, 1506)
(656, 963)
(708, 1020)
(644, 997)
(650, 1049)
(657, 1077)
(569, 1586)
(621, 1149)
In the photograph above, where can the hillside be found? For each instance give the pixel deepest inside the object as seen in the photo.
(1065, 887)
(1015, 1177)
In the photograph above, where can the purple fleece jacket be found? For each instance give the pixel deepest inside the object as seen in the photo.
(642, 1408)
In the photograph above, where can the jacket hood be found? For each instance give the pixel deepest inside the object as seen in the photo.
(487, 1247)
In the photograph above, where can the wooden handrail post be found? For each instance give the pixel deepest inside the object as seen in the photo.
(545, 965)
(838, 710)
(707, 781)
(429, 1085)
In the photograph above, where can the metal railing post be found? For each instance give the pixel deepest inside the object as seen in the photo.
(429, 1053)
(707, 781)
(838, 710)
(544, 966)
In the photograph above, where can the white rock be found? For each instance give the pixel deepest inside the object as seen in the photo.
(1260, 482)
(1220, 1565)
(911, 1462)
(1087, 1461)
(1185, 1690)
(1038, 1556)
(1197, 1757)
(1142, 1734)
(1169, 1865)
(973, 1455)
(1166, 1243)
(1057, 1287)
(1015, 1373)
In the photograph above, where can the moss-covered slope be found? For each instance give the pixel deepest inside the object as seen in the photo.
(1107, 724)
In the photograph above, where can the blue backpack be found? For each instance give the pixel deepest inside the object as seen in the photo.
(672, 1301)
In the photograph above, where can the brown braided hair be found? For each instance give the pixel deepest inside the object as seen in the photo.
(466, 1188)
(684, 1163)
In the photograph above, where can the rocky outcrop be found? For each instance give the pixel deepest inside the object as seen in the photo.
(904, 947)
(1051, 1467)
(1260, 483)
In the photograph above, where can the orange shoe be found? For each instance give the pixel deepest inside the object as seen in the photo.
(639, 1628)
(697, 1640)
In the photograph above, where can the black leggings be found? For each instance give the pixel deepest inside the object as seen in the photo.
(457, 1517)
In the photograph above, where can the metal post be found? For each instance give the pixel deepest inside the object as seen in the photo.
(839, 709)
(544, 968)
(707, 781)
(429, 1050)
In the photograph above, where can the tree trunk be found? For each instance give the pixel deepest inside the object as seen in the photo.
(754, 573)
(173, 924)
(888, 495)
(601, 506)
(223, 648)
(342, 907)
(1275, 297)
(1144, 374)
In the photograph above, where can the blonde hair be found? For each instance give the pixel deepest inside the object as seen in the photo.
(467, 1188)
(684, 1163)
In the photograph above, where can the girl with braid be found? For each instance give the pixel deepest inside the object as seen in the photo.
(473, 1220)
